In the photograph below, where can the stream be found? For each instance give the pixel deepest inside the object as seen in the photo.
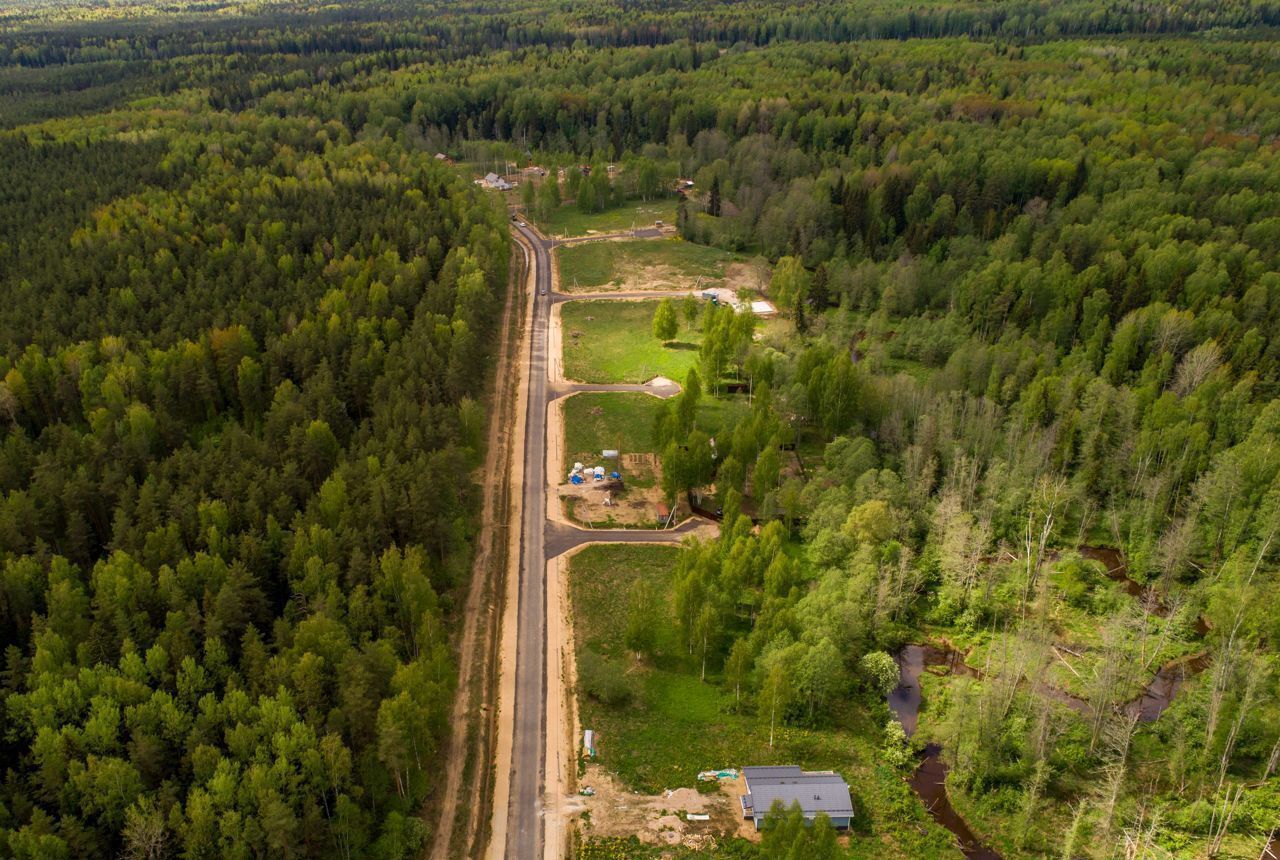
(1169, 679)
(1113, 561)
(928, 780)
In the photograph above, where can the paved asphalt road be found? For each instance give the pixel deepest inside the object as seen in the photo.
(541, 540)
(524, 816)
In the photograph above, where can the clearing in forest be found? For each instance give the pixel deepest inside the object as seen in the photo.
(644, 264)
(568, 221)
(657, 724)
(612, 341)
(623, 422)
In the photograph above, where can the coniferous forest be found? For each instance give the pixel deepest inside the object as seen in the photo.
(1027, 257)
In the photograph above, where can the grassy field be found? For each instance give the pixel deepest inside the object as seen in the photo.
(593, 422)
(675, 724)
(568, 221)
(612, 341)
(642, 264)
(624, 421)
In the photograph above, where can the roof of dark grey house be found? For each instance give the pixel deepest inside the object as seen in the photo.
(821, 791)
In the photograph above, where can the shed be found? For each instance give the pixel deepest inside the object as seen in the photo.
(815, 791)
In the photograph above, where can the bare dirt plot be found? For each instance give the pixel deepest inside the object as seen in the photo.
(655, 819)
(746, 277)
(613, 503)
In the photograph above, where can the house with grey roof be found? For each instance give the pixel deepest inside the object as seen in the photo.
(815, 791)
(495, 182)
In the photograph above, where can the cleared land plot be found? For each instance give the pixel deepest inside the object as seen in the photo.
(568, 221)
(624, 421)
(671, 725)
(612, 341)
(644, 264)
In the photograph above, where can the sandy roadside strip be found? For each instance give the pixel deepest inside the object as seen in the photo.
(555, 461)
(562, 723)
(479, 614)
(555, 346)
(510, 616)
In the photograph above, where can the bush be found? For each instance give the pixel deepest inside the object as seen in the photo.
(603, 680)
(896, 751)
(1075, 583)
(1193, 817)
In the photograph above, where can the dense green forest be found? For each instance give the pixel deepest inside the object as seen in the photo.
(239, 389)
(1027, 253)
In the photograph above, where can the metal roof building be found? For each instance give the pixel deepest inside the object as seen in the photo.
(815, 791)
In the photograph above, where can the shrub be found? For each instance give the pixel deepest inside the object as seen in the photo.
(603, 680)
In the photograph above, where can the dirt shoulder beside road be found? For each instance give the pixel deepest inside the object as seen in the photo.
(562, 715)
(457, 825)
(504, 722)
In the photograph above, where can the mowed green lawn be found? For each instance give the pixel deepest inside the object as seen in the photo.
(621, 420)
(568, 221)
(624, 421)
(655, 263)
(676, 724)
(612, 341)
